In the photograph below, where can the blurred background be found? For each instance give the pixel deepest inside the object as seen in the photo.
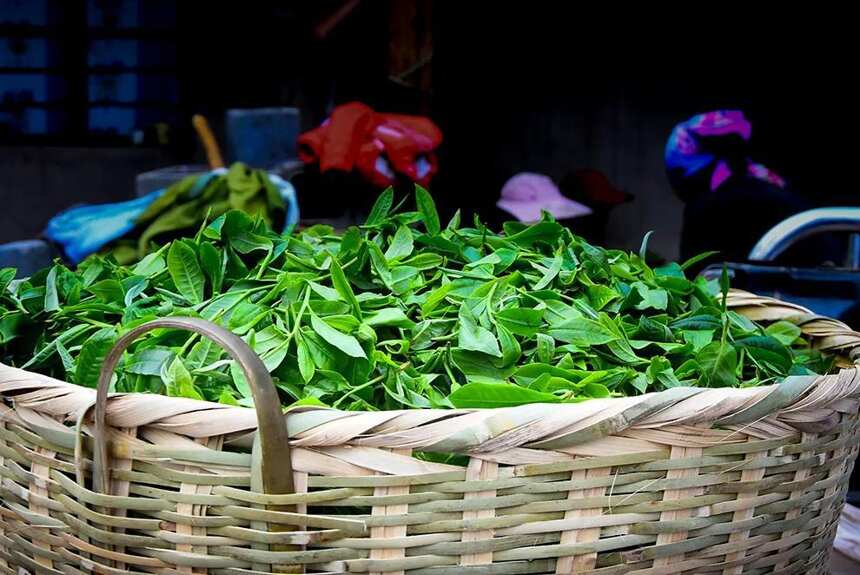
(94, 92)
(97, 96)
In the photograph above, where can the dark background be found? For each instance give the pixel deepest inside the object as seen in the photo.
(533, 86)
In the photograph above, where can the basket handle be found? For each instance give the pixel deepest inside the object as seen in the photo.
(275, 461)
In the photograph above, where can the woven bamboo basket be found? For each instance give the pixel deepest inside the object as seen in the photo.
(684, 481)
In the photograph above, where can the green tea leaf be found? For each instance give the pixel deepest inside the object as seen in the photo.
(696, 259)
(241, 383)
(741, 324)
(404, 279)
(510, 347)
(724, 282)
(379, 264)
(310, 400)
(784, 332)
(697, 322)
(379, 212)
(6, 277)
(643, 249)
(424, 261)
(427, 207)
(248, 242)
(148, 361)
(92, 269)
(235, 268)
(698, 338)
(345, 323)
(718, 362)
(492, 395)
(477, 366)
(643, 297)
(473, 337)
(46, 352)
(622, 349)
(544, 232)
(640, 383)
(246, 316)
(396, 314)
(306, 364)
(600, 296)
(550, 273)
(327, 293)
(52, 299)
(652, 330)
(203, 353)
(236, 223)
(185, 271)
(179, 381)
(521, 321)
(767, 350)
(151, 265)
(345, 343)
(545, 347)
(350, 243)
(134, 287)
(66, 359)
(92, 356)
(11, 325)
(390, 316)
(582, 331)
(214, 264)
(527, 374)
(401, 245)
(660, 371)
(341, 284)
(108, 291)
(227, 398)
(441, 244)
(434, 298)
(454, 223)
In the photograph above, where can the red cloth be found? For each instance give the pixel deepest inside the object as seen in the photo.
(379, 146)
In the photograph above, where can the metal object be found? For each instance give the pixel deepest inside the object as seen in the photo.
(811, 222)
(854, 252)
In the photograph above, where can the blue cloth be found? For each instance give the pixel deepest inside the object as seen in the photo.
(84, 230)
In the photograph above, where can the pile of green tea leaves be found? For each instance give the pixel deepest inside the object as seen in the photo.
(397, 313)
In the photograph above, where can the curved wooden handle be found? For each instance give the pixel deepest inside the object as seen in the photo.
(275, 459)
(207, 139)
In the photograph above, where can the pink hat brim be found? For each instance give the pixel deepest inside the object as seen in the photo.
(561, 209)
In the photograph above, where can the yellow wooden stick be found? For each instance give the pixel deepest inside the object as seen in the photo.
(207, 138)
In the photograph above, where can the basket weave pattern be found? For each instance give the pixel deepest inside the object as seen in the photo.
(684, 481)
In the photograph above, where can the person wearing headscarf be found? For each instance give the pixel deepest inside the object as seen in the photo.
(730, 200)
